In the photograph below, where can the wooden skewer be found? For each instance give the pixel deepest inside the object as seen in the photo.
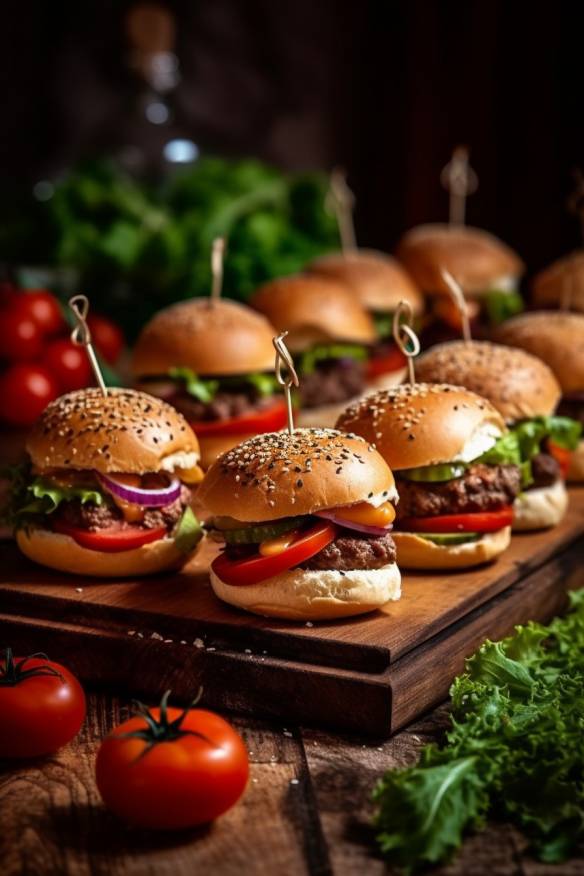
(405, 337)
(81, 335)
(284, 359)
(217, 256)
(460, 181)
(457, 295)
(340, 200)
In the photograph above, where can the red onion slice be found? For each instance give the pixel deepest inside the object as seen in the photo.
(358, 527)
(138, 496)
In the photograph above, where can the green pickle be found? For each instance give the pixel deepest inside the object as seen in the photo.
(449, 538)
(256, 533)
(436, 473)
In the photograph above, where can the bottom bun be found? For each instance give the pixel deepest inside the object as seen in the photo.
(324, 416)
(214, 445)
(415, 552)
(63, 553)
(314, 595)
(540, 508)
(576, 470)
(386, 381)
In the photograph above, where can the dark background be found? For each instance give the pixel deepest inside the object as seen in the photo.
(385, 89)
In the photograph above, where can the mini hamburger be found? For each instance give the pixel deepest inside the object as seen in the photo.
(526, 394)
(106, 492)
(561, 284)
(558, 339)
(329, 333)
(456, 488)
(306, 521)
(214, 362)
(379, 282)
(486, 268)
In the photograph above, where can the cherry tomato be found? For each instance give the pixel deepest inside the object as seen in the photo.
(69, 364)
(106, 337)
(483, 521)
(561, 455)
(44, 309)
(172, 778)
(256, 568)
(392, 360)
(25, 391)
(270, 420)
(111, 540)
(41, 703)
(20, 336)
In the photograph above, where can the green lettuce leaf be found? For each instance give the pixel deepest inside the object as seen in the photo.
(323, 352)
(28, 499)
(506, 451)
(188, 532)
(561, 430)
(383, 323)
(564, 432)
(203, 390)
(501, 305)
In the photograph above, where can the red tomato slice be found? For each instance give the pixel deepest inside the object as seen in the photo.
(561, 455)
(270, 420)
(254, 569)
(113, 540)
(485, 521)
(393, 360)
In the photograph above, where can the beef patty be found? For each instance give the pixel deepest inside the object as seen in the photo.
(353, 551)
(332, 381)
(481, 488)
(96, 517)
(545, 471)
(224, 406)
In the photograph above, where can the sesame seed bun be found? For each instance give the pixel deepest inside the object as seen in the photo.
(474, 257)
(315, 595)
(518, 384)
(377, 279)
(281, 475)
(423, 424)
(556, 337)
(64, 554)
(314, 309)
(415, 552)
(576, 470)
(216, 338)
(123, 431)
(540, 508)
(563, 277)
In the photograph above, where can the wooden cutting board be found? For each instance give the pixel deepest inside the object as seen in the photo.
(371, 674)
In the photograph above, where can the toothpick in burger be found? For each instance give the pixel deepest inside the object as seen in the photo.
(306, 519)
(106, 492)
(557, 338)
(525, 392)
(329, 333)
(446, 447)
(379, 282)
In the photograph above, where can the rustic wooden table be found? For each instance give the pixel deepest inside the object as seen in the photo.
(306, 811)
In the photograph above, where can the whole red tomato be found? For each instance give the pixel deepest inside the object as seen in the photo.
(20, 336)
(41, 703)
(25, 391)
(172, 769)
(106, 337)
(68, 363)
(43, 308)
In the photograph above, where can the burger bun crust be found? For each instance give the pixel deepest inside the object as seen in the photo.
(303, 595)
(415, 552)
(64, 554)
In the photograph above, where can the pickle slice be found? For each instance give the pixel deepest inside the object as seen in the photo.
(443, 472)
(449, 538)
(258, 532)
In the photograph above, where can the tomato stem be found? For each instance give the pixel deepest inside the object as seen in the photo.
(13, 673)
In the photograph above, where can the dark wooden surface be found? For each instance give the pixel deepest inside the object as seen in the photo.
(306, 811)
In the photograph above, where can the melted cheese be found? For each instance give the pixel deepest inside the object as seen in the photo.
(364, 513)
(271, 547)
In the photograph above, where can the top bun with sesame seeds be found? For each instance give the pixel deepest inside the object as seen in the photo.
(518, 384)
(278, 475)
(123, 431)
(424, 424)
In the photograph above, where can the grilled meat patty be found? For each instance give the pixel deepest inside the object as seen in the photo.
(332, 381)
(545, 471)
(96, 517)
(224, 406)
(481, 488)
(353, 551)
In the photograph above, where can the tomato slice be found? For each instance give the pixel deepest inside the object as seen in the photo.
(485, 521)
(393, 360)
(255, 569)
(272, 419)
(561, 455)
(112, 540)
